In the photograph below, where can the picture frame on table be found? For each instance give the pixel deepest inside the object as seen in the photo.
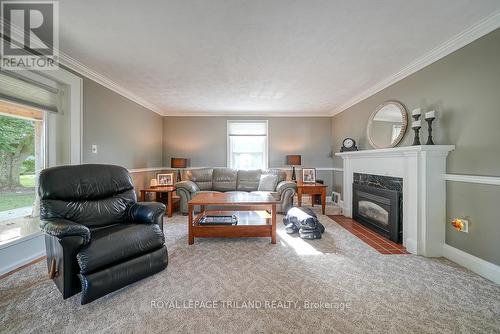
(165, 179)
(309, 175)
(335, 198)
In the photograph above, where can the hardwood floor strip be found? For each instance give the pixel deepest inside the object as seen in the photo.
(22, 267)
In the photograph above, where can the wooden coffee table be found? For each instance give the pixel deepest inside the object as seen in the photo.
(256, 216)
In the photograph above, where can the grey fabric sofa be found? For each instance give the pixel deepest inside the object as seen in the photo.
(227, 179)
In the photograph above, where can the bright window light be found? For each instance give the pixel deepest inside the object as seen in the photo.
(247, 144)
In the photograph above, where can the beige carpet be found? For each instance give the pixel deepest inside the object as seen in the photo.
(367, 291)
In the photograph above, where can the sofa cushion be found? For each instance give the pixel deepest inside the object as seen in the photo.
(208, 192)
(118, 243)
(268, 182)
(248, 180)
(202, 177)
(272, 193)
(224, 179)
(281, 174)
(236, 192)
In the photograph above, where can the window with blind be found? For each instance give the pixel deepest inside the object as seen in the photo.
(26, 100)
(20, 89)
(247, 144)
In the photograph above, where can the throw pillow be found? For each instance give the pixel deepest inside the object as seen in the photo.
(267, 182)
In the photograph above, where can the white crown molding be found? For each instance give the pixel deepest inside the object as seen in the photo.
(17, 34)
(467, 36)
(245, 114)
(86, 71)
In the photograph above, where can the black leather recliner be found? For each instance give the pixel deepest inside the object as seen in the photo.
(98, 237)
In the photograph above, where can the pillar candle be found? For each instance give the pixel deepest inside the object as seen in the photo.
(416, 111)
(430, 114)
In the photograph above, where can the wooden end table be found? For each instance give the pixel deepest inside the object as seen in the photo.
(159, 191)
(312, 189)
(256, 216)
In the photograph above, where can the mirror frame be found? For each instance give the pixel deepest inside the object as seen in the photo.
(404, 113)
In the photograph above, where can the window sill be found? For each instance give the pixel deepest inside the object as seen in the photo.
(18, 230)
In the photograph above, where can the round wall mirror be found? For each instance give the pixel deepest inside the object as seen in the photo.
(387, 125)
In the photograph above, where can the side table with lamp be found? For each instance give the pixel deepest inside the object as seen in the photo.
(294, 160)
(178, 163)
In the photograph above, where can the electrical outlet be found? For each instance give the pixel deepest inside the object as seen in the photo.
(94, 148)
(460, 224)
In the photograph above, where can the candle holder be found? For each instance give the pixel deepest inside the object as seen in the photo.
(416, 117)
(416, 140)
(429, 138)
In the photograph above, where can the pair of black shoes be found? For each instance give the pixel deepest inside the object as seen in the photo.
(305, 222)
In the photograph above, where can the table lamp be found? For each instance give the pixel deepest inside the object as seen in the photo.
(178, 163)
(293, 160)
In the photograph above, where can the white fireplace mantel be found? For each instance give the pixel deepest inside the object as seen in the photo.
(423, 170)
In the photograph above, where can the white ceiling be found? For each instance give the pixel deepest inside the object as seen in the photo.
(257, 57)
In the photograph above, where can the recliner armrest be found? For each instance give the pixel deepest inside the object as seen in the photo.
(190, 186)
(147, 212)
(283, 185)
(61, 228)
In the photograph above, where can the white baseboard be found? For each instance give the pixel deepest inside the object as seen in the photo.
(411, 245)
(479, 266)
(20, 253)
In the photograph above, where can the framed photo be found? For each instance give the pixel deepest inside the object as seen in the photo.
(309, 175)
(166, 179)
(336, 198)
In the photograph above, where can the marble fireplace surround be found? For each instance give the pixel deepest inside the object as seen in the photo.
(423, 170)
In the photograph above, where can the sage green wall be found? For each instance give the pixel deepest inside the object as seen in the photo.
(204, 140)
(126, 133)
(464, 89)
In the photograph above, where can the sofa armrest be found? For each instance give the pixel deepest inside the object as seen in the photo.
(147, 212)
(284, 185)
(286, 190)
(61, 228)
(186, 190)
(190, 186)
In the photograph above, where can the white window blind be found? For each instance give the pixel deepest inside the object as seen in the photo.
(19, 89)
(247, 144)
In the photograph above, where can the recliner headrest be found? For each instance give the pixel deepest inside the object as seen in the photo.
(83, 182)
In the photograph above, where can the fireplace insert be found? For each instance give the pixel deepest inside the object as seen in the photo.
(378, 209)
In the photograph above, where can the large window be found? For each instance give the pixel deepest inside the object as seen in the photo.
(21, 159)
(38, 116)
(247, 144)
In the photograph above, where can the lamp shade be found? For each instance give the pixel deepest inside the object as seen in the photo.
(178, 163)
(294, 160)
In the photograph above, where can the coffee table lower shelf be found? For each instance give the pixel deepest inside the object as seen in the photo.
(251, 224)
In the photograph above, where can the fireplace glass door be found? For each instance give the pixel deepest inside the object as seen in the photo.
(378, 209)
